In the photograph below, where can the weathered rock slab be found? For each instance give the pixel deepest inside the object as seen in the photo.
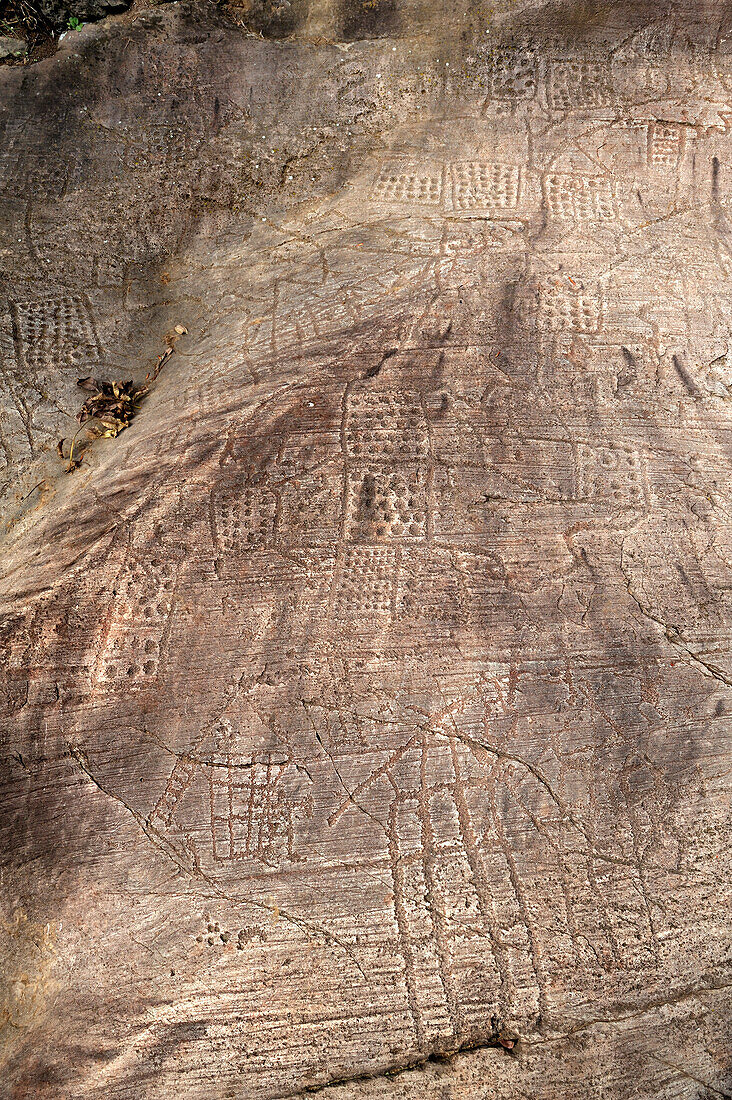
(366, 702)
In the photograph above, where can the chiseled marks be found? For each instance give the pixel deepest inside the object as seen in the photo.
(253, 804)
(534, 471)
(578, 83)
(139, 623)
(408, 183)
(612, 474)
(243, 516)
(158, 147)
(387, 493)
(512, 74)
(467, 187)
(253, 799)
(459, 899)
(476, 186)
(367, 583)
(387, 504)
(568, 305)
(579, 198)
(385, 426)
(34, 176)
(469, 825)
(55, 334)
(665, 144)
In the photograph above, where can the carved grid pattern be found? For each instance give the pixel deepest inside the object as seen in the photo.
(564, 308)
(386, 427)
(249, 815)
(575, 84)
(387, 504)
(513, 75)
(368, 582)
(135, 637)
(55, 334)
(243, 517)
(613, 473)
(476, 184)
(665, 142)
(579, 198)
(412, 186)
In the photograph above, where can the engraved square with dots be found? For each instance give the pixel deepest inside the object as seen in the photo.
(665, 142)
(134, 642)
(613, 474)
(33, 174)
(368, 582)
(575, 84)
(398, 184)
(579, 198)
(513, 74)
(571, 308)
(387, 503)
(243, 517)
(386, 427)
(476, 185)
(56, 333)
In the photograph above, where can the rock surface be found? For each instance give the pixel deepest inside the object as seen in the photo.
(365, 703)
(12, 47)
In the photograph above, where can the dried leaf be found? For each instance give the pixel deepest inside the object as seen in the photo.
(112, 405)
(60, 447)
(89, 384)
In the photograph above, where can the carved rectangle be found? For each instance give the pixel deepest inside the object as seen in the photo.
(55, 334)
(243, 517)
(579, 83)
(385, 426)
(138, 627)
(665, 144)
(34, 176)
(513, 74)
(311, 508)
(579, 198)
(408, 184)
(614, 474)
(386, 503)
(478, 185)
(249, 816)
(570, 307)
(368, 582)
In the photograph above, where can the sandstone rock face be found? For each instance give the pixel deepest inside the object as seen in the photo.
(365, 703)
(12, 47)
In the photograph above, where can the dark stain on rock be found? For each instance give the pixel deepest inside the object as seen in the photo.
(715, 178)
(274, 18)
(689, 383)
(369, 19)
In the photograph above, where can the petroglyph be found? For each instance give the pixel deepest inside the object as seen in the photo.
(366, 700)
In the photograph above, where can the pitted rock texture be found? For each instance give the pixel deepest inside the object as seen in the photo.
(365, 704)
